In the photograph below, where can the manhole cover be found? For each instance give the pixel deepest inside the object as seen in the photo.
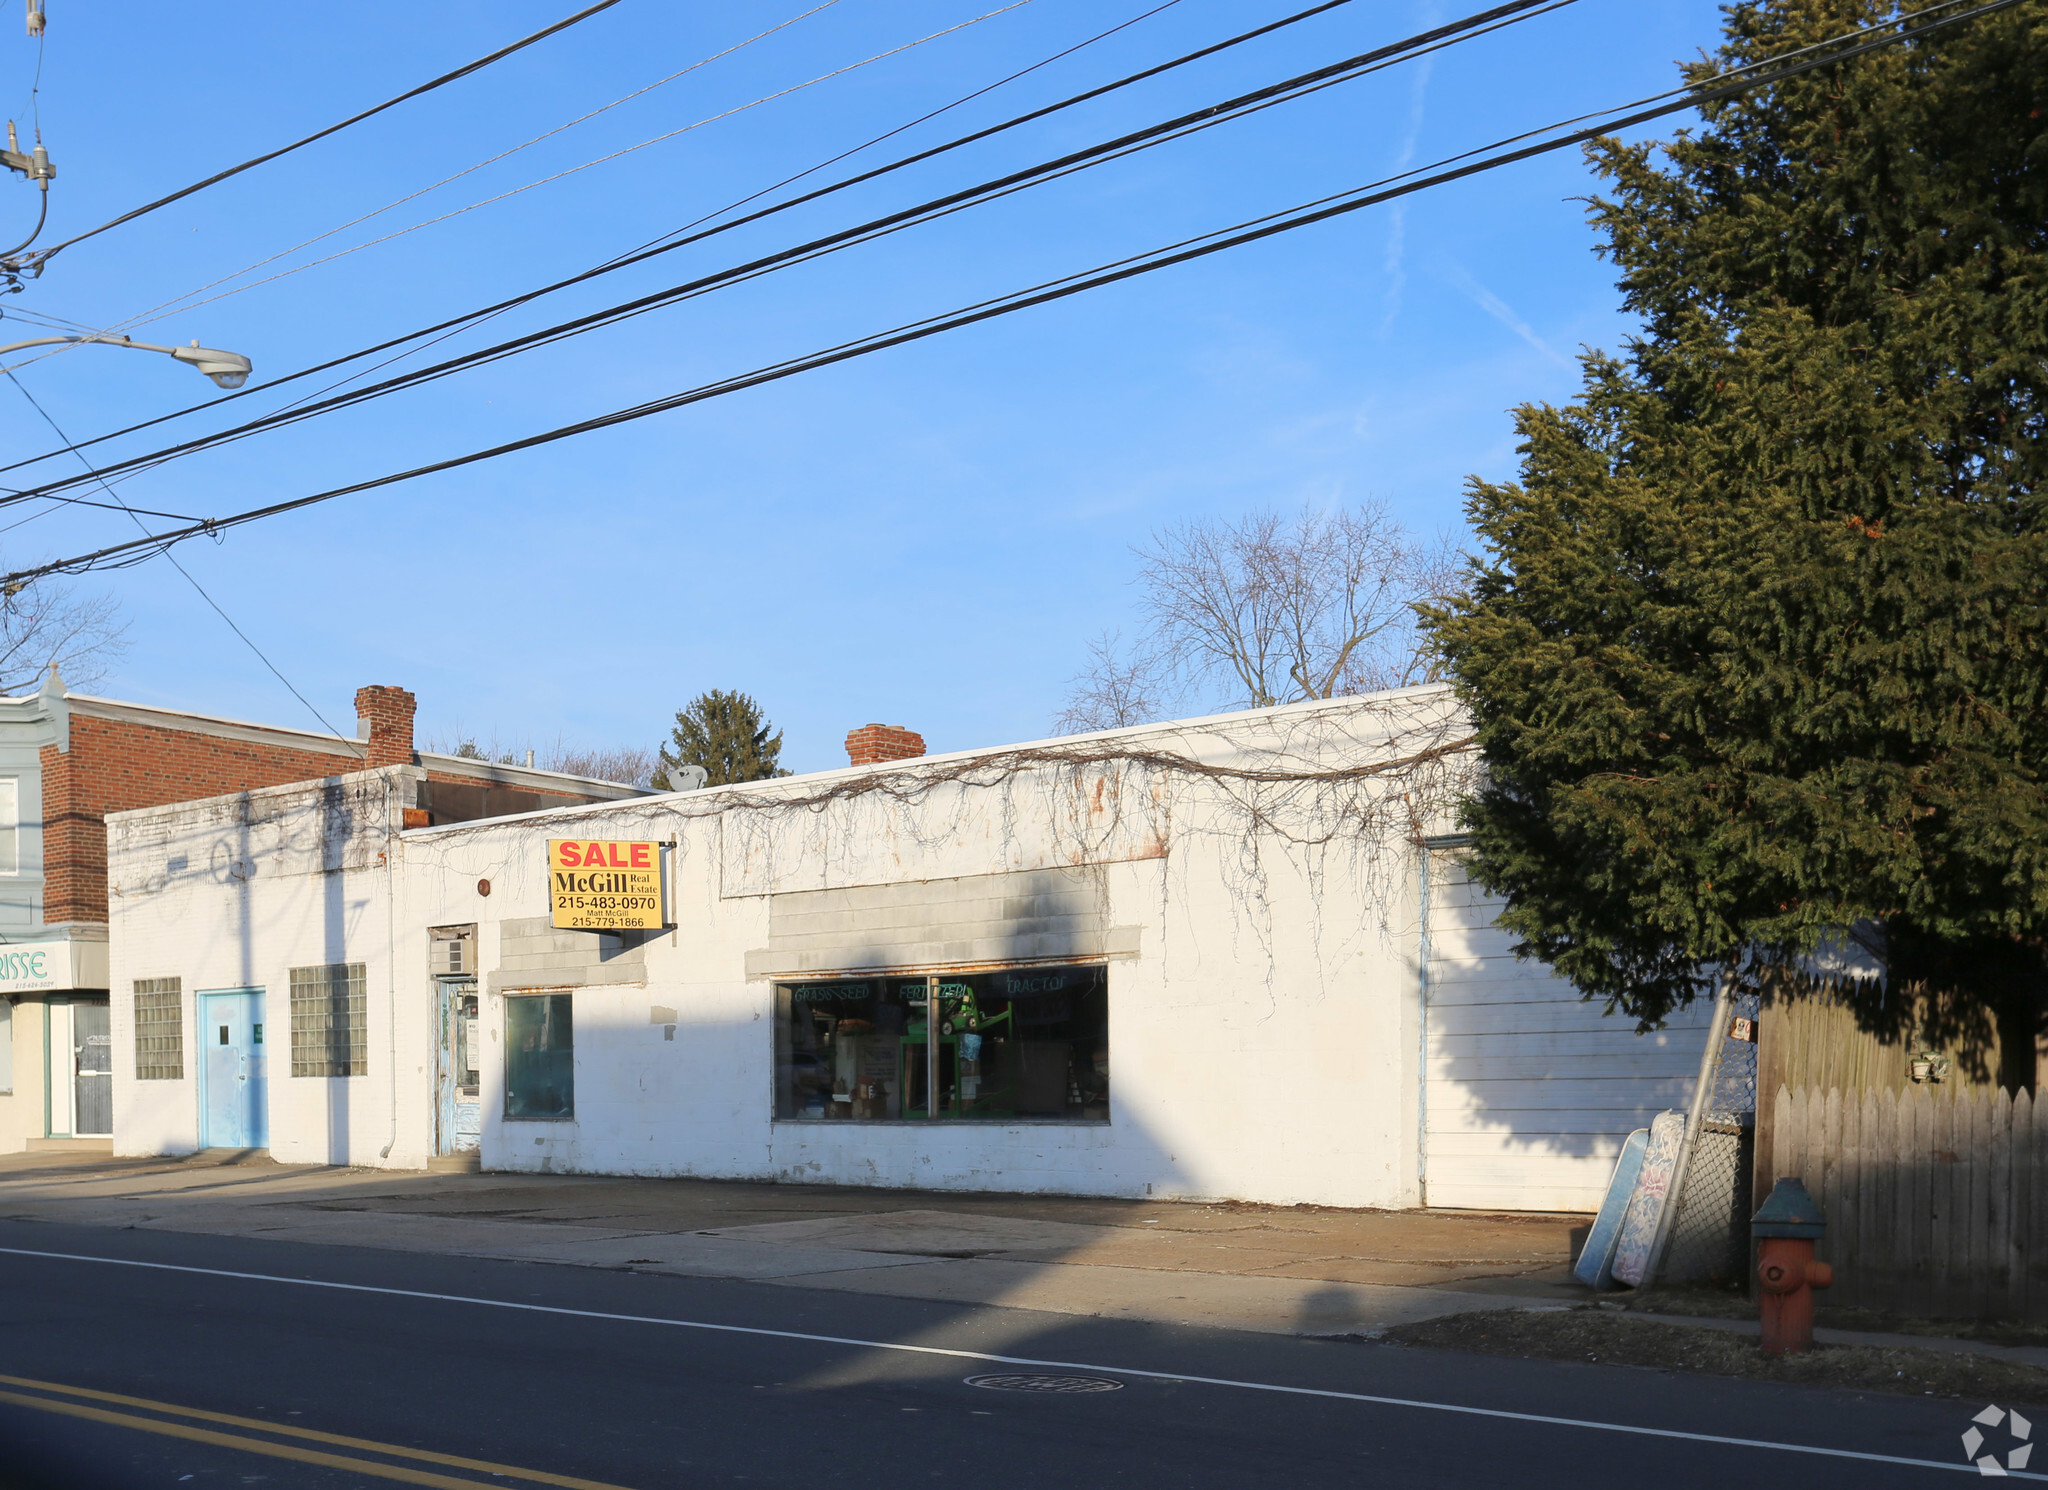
(1045, 1383)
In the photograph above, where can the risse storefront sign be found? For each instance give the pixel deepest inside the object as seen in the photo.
(604, 885)
(29, 969)
(33, 968)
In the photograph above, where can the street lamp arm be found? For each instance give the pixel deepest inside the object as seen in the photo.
(43, 341)
(228, 369)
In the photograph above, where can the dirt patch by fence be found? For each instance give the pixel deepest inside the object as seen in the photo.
(1598, 1336)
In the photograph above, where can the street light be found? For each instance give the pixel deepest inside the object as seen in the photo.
(228, 369)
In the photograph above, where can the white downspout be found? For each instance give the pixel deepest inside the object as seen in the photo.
(390, 965)
(1422, 1042)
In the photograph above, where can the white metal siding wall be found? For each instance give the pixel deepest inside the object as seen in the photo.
(1530, 1091)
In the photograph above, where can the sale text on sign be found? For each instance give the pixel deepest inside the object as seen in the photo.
(604, 885)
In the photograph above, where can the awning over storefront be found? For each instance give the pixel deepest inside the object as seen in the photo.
(56, 960)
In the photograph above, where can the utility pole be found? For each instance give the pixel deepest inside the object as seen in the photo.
(34, 164)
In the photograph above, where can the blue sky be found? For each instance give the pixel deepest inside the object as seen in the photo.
(925, 537)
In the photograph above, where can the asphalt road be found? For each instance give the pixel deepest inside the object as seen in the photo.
(512, 1374)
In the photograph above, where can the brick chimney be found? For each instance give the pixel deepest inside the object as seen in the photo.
(384, 723)
(872, 744)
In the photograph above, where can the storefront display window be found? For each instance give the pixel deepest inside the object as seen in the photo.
(1023, 1043)
(540, 1056)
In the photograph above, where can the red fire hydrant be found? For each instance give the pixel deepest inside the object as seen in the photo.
(1786, 1229)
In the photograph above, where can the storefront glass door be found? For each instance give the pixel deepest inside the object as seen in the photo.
(92, 1071)
(78, 1062)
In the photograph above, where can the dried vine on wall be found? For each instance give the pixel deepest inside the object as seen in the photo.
(1350, 787)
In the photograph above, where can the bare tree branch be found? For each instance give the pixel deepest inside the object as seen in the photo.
(1442, 575)
(45, 625)
(1115, 690)
(1267, 610)
(629, 765)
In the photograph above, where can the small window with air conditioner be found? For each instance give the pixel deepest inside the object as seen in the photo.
(451, 951)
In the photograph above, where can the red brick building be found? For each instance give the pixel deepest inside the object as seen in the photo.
(66, 761)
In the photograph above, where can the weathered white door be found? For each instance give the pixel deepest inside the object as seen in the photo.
(1529, 1091)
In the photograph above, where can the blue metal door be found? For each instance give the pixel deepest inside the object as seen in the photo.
(460, 1119)
(234, 1107)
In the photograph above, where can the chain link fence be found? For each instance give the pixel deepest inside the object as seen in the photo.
(1709, 1239)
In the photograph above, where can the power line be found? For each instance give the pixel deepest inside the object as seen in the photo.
(1209, 117)
(658, 246)
(44, 256)
(186, 301)
(1321, 210)
(1186, 250)
(1382, 57)
(831, 160)
(238, 631)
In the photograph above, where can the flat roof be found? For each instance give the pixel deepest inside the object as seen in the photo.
(499, 773)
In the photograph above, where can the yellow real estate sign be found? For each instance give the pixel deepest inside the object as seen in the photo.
(604, 885)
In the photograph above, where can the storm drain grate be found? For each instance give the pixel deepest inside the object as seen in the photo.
(1045, 1383)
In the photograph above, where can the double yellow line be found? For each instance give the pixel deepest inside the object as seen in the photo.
(169, 1420)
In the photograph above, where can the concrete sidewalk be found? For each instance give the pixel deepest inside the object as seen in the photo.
(1266, 1268)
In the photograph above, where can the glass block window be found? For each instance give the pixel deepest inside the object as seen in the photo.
(159, 1029)
(330, 1021)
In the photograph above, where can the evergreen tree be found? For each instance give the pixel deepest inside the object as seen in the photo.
(726, 734)
(1758, 647)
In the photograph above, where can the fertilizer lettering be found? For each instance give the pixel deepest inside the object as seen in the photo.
(605, 886)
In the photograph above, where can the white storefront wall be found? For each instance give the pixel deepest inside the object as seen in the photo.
(231, 893)
(1265, 993)
(1530, 1090)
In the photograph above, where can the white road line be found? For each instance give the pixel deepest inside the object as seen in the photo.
(1964, 1467)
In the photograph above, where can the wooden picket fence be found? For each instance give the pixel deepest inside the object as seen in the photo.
(1934, 1198)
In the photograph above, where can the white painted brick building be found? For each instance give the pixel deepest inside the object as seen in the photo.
(1192, 959)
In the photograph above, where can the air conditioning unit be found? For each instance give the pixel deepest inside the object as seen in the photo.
(452, 956)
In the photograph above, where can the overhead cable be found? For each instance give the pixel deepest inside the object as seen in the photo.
(190, 579)
(775, 186)
(658, 246)
(1423, 178)
(186, 302)
(44, 256)
(1007, 185)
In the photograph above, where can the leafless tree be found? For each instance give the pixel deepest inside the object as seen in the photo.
(46, 624)
(1267, 610)
(1117, 688)
(629, 765)
(1441, 575)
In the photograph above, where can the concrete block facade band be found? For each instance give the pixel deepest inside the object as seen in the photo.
(1153, 982)
(67, 761)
